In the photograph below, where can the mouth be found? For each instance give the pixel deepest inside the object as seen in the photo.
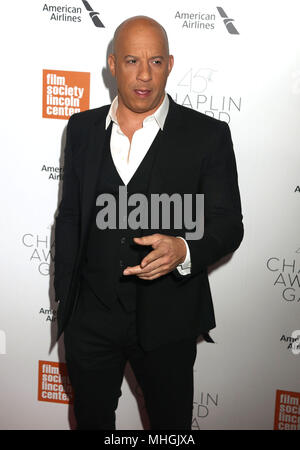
(142, 93)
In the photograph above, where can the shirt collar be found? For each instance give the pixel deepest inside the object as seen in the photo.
(160, 114)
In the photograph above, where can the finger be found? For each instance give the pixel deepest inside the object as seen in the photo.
(132, 270)
(147, 240)
(139, 270)
(154, 265)
(152, 256)
(152, 277)
(159, 271)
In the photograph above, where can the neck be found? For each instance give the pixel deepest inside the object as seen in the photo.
(131, 120)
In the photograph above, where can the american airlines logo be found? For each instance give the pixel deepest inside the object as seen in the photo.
(73, 14)
(227, 21)
(204, 20)
(93, 15)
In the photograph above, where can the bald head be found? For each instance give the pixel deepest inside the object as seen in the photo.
(139, 24)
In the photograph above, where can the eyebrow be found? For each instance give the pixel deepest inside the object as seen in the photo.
(152, 57)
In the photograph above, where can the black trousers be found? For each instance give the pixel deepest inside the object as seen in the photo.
(98, 344)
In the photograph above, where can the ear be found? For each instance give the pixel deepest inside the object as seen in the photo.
(171, 63)
(112, 64)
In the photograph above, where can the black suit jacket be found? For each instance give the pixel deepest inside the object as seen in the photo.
(195, 155)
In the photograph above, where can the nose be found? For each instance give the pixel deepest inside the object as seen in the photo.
(144, 72)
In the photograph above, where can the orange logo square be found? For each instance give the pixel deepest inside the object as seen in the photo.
(54, 383)
(287, 411)
(65, 93)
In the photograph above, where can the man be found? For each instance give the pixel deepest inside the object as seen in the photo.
(140, 295)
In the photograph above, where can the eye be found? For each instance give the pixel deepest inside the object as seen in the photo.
(157, 61)
(131, 61)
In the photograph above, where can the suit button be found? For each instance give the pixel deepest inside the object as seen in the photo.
(123, 239)
(121, 264)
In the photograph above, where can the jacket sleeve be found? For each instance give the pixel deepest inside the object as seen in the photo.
(223, 227)
(67, 225)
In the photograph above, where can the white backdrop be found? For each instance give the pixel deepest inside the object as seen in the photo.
(250, 79)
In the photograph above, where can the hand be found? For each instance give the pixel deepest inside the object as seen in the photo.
(169, 251)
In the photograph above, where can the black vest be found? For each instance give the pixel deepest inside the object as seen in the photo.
(110, 251)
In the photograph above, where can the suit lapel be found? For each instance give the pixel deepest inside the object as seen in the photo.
(169, 150)
(91, 170)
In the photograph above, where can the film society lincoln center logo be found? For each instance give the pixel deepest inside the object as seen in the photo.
(287, 410)
(54, 384)
(65, 93)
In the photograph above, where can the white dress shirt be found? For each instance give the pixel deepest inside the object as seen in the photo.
(128, 156)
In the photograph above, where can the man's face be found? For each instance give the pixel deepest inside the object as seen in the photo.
(141, 65)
